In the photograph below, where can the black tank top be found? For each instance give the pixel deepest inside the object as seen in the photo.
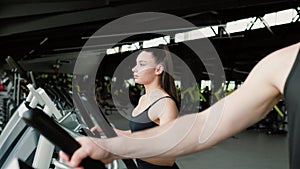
(142, 120)
(292, 101)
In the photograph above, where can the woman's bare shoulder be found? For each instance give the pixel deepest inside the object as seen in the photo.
(280, 63)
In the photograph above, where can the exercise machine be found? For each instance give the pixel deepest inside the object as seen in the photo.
(53, 132)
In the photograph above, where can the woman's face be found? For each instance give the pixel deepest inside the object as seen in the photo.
(144, 71)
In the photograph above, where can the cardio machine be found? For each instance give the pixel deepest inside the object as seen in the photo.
(18, 141)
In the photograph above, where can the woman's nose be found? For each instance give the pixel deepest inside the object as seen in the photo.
(133, 69)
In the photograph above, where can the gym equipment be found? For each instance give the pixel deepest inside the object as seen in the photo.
(23, 142)
(19, 164)
(14, 133)
(85, 108)
(19, 141)
(17, 70)
(37, 119)
(14, 93)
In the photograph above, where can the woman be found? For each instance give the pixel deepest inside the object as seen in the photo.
(159, 104)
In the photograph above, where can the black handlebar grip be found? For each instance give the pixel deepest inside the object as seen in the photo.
(37, 119)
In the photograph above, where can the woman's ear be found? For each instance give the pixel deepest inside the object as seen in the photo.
(159, 69)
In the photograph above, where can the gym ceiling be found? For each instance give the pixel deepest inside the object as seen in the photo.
(33, 29)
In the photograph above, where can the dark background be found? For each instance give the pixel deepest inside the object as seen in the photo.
(37, 29)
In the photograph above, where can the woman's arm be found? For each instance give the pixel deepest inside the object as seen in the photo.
(195, 132)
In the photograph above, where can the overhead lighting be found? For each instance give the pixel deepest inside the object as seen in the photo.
(137, 33)
(238, 26)
(113, 50)
(285, 16)
(30, 52)
(132, 47)
(156, 42)
(204, 32)
(44, 40)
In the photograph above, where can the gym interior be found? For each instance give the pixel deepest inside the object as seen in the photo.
(46, 48)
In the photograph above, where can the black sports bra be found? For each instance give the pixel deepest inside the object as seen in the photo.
(142, 120)
(292, 101)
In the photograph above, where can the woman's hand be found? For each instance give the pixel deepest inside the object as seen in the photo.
(90, 147)
(97, 129)
(119, 132)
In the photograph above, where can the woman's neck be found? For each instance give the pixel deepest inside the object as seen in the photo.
(153, 90)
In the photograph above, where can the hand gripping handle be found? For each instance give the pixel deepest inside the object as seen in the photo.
(37, 119)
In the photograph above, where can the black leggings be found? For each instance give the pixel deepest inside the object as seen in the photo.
(145, 165)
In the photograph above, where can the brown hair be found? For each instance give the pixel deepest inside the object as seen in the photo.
(162, 55)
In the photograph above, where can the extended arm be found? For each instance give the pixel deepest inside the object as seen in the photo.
(195, 132)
